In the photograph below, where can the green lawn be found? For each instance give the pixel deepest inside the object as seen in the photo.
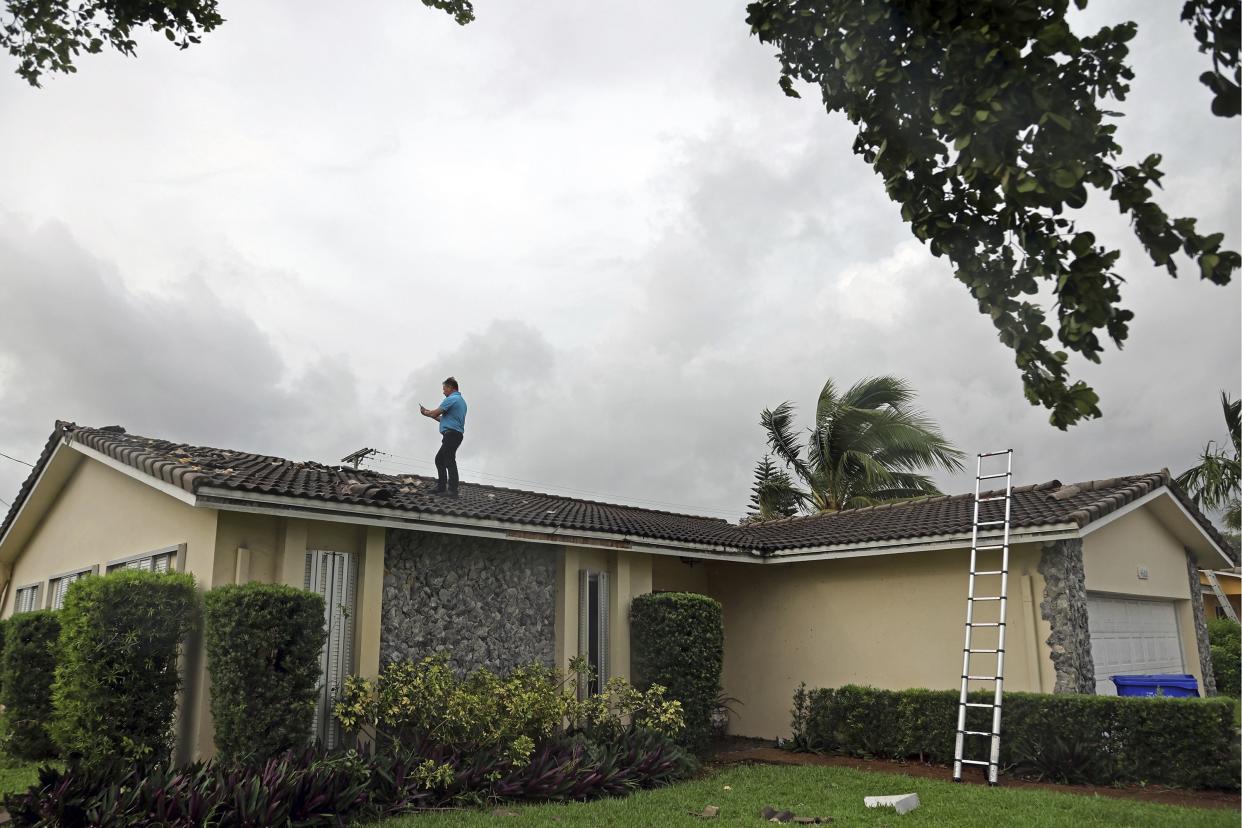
(835, 792)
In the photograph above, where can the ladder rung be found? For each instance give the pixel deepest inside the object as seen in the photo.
(988, 598)
(991, 546)
(986, 624)
(979, 704)
(995, 453)
(990, 522)
(975, 762)
(985, 651)
(990, 499)
(990, 572)
(992, 476)
(977, 732)
(981, 678)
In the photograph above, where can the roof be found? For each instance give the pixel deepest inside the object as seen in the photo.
(201, 469)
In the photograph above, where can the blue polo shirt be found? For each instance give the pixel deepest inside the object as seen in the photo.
(453, 413)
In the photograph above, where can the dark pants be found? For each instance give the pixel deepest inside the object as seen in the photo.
(446, 460)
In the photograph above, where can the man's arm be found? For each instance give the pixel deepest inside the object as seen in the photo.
(433, 413)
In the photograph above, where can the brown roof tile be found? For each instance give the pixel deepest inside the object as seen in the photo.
(193, 468)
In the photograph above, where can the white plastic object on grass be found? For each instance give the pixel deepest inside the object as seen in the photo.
(904, 803)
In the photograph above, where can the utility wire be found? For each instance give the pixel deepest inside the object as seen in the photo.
(405, 464)
(15, 460)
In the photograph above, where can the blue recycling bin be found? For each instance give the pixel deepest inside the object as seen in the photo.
(1166, 685)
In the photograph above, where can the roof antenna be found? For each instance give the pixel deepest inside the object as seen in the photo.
(358, 456)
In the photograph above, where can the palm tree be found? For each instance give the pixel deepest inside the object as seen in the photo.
(867, 446)
(774, 494)
(1215, 482)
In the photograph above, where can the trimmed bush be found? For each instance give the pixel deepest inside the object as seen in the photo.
(4, 625)
(678, 643)
(27, 665)
(1226, 639)
(117, 679)
(263, 645)
(1071, 738)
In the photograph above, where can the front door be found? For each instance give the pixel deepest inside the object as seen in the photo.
(334, 576)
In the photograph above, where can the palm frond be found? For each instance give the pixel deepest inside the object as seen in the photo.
(778, 422)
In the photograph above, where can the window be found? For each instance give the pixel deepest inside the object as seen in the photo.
(334, 575)
(27, 599)
(58, 586)
(162, 561)
(593, 637)
(1220, 612)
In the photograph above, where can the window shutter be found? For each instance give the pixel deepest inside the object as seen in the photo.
(603, 636)
(159, 563)
(584, 626)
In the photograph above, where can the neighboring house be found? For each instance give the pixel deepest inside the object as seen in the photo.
(1230, 581)
(1103, 577)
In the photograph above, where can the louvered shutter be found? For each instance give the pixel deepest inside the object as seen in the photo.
(602, 637)
(584, 627)
(160, 563)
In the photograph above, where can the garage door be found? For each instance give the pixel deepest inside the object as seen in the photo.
(1130, 637)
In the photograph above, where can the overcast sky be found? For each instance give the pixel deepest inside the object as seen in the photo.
(604, 218)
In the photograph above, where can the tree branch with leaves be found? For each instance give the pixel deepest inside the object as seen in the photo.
(49, 35)
(986, 123)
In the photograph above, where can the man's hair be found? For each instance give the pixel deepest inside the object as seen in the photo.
(452, 383)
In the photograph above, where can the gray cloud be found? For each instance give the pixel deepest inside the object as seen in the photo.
(607, 222)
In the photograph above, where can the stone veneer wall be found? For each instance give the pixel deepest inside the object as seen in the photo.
(490, 603)
(1065, 608)
(1201, 633)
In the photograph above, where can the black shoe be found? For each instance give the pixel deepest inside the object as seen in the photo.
(438, 490)
(451, 493)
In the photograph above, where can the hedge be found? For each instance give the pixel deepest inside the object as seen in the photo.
(1098, 740)
(678, 642)
(27, 665)
(1225, 636)
(263, 647)
(117, 680)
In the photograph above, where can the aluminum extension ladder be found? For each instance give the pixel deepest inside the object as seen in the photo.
(986, 516)
(1225, 606)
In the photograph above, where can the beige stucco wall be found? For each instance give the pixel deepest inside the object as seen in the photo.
(1112, 556)
(629, 574)
(669, 574)
(892, 621)
(93, 521)
(102, 515)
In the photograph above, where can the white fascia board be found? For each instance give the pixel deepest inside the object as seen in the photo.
(229, 500)
(1134, 505)
(1052, 532)
(137, 474)
(1219, 574)
(60, 445)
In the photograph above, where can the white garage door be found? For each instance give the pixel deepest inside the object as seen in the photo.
(1132, 637)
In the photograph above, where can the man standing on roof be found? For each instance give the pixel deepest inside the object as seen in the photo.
(451, 414)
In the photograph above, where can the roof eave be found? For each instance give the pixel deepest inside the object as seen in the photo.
(239, 501)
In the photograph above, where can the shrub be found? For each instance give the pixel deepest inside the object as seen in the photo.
(426, 705)
(263, 647)
(27, 666)
(117, 678)
(1225, 636)
(678, 643)
(1070, 738)
(314, 788)
(299, 790)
